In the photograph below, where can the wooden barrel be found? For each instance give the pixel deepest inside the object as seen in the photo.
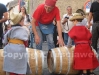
(36, 61)
(1, 63)
(60, 61)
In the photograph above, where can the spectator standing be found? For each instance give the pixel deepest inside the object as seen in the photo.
(66, 23)
(27, 22)
(26, 16)
(94, 13)
(3, 18)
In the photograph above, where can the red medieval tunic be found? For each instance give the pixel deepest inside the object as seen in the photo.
(84, 57)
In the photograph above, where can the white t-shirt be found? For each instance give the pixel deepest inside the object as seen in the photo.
(66, 28)
(25, 20)
(84, 21)
(90, 26)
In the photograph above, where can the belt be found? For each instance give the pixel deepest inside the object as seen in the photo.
(45, 24)
(82, 42)
(16, 41)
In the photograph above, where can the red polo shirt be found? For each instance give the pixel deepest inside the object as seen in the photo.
(45, 18)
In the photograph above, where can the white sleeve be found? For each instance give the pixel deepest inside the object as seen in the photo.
(63, 17)
(6, 37)
(69, 44)
(62, 21)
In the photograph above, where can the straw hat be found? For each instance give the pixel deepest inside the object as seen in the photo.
(15, 17)
(81, 11)
(76, 16)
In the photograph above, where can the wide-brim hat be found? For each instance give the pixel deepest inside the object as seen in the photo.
(76, 16)
(81, 11)
(16, 17)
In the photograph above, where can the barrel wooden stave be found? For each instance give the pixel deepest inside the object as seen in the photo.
(64, 61)
(32, 61)
(58, 61)
(64, 53)
(72, 71)
(50, 61)
(1, 63)
(36, 61)
(39, 63)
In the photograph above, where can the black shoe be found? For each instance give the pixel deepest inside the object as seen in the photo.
(1, 47)
(92, 73)
(83, 74)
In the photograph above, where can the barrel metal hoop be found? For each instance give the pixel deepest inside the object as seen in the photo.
(68, 60)
(42, 62)
(60, 60)
(54, 56)
(36, 60)
(28, 55)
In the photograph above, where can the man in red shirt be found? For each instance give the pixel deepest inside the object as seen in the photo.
(43, 17)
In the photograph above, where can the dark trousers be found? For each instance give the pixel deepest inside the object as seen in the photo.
(95, 35)
(1, 37)
(55, 36)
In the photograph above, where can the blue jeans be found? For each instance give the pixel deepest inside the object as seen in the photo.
(49, 38)
(66, 39)
(31, 39)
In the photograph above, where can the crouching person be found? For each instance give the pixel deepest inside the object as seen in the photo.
(15, 55)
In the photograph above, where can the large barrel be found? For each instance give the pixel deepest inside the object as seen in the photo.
(60, 61)
(1, 63)
(36, 61)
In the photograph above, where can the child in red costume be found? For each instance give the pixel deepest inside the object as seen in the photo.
(84, 58)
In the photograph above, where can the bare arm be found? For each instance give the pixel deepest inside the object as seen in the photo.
(34, 27)
(59, 29)
(64, 21)
(4, 18)
(37, 39)
(69, 44)
(89, 19)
